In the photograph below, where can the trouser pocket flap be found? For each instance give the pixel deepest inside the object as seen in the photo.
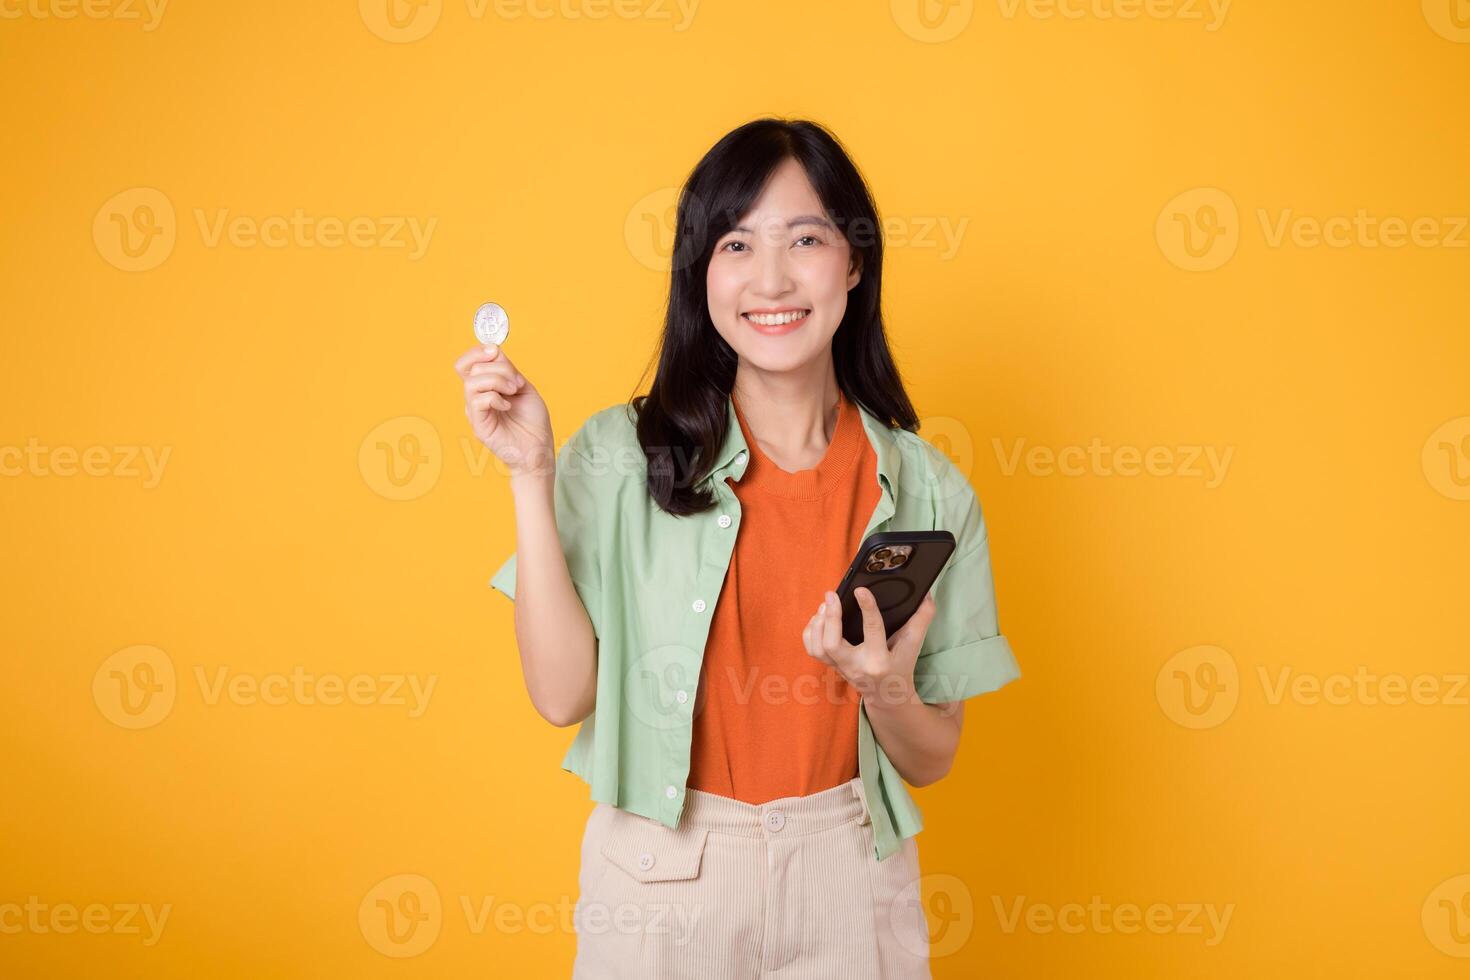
(649, 851)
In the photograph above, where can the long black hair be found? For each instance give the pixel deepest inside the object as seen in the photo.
(683, 418)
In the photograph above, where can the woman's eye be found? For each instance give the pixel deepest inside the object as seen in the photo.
(811, 238)
(730, 245)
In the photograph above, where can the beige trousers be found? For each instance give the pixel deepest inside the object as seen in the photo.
(788, 889)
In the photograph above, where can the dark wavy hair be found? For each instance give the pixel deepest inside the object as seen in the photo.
(682, 420)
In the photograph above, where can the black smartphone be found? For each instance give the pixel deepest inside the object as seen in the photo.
(898, 567)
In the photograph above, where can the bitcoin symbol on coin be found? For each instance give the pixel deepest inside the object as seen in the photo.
(492, 325)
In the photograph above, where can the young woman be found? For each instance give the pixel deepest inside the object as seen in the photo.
(673, 584)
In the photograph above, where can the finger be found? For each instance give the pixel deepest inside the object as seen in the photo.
(477, 384)
(474, 355)
(490, 400)
(873, 631)
(832, 623)
(500, 365)
(809, 640)
(817, 651)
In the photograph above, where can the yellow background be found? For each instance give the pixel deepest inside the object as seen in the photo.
(542, 148)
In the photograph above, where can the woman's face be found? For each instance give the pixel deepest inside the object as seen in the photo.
(783, 260)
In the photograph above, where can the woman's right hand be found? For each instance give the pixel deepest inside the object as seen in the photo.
(506, 411)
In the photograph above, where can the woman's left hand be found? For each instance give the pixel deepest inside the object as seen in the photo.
(879, 668)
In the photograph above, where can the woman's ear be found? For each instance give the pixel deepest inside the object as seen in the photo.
(855, 270)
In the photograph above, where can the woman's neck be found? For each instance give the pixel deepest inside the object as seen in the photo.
(792, 416)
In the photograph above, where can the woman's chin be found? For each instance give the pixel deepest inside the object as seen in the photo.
(779, 361)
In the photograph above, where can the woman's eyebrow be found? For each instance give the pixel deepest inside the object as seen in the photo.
(805, 219)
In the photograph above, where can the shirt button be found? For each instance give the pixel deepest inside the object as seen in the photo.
(681, 696)
(740, 459)
(699, 605)
(775, 820)
(671, 791)
(645, 861)
(724, 520)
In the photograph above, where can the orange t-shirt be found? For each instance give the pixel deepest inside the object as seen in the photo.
(769, 720)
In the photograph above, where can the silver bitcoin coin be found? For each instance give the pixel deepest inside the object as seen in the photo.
(492, 325)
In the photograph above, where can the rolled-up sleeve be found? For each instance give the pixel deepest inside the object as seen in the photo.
(964, 653)
(576, 501)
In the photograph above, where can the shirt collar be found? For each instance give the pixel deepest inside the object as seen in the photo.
(880, 436)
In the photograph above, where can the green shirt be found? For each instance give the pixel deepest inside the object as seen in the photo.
(650, 581)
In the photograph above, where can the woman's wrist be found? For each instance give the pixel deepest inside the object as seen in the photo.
(535, 481)
(890, 692)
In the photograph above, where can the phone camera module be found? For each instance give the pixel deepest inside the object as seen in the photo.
(887, 558)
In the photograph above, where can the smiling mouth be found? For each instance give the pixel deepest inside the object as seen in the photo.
(777, 322)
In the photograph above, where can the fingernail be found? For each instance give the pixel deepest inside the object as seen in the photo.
(490, 348)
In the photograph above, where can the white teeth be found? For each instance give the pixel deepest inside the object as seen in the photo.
(775, 319)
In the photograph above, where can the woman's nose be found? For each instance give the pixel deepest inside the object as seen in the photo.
(772, 276)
